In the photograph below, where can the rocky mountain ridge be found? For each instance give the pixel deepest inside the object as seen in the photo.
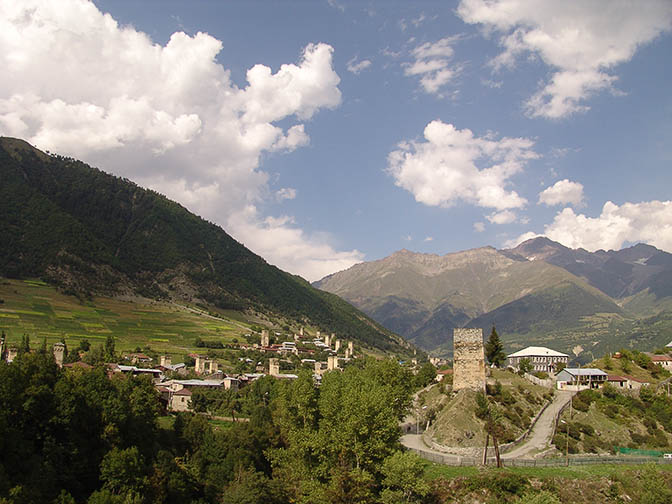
(537, 289)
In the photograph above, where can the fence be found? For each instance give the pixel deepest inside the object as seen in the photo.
(548, 383)
(454, 460)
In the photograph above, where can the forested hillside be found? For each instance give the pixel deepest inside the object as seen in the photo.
(92, 233)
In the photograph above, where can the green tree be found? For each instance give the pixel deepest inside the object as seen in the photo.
(123, 471)
(525, 366)
(426, 375)
(403, 479)
(110, 353)
(24, 346)
(494, 349)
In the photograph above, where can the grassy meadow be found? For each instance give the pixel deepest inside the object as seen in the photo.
(34, 308)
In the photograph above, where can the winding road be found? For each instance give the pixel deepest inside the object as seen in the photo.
(538, 440)
(542, 432)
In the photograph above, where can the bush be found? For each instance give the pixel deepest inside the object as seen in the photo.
(611, 410)
(574, 431)
(587, 429)
(502, 484)
(560, 442)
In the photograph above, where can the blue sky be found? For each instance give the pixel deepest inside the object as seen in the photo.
(324, 133)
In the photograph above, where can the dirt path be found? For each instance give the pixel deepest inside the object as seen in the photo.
(540, 437)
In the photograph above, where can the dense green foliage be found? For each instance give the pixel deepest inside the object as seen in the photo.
(79, 436)
(646, 421)
(91, 232)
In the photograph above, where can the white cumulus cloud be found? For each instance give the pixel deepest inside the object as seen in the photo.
(432, 64)
(356, 67)
(168, 116)
(581, 40)
(503, 217)
(648, 222)
(454, 165)
(563, 192)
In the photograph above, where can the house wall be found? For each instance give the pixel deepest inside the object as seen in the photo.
(180, 402)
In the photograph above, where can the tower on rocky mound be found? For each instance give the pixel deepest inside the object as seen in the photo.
(468, 360)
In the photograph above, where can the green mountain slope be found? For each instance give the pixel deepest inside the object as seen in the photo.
(92, 233)
(562, 305)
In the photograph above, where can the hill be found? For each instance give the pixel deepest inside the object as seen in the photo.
(90, 233)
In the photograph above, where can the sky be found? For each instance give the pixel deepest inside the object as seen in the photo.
(322, 133)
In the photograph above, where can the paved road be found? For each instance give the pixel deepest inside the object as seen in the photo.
(540, 437)
(415, 441)
(538, 440)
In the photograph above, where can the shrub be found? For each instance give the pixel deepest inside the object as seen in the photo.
(574, 431)
(609, 391)
(560, 441)
(611, 410)
(650, 424)
(587, 429)
(502, 484)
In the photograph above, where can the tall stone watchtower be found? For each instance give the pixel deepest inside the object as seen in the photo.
(59, 353)
(265, 338)
(468, 360)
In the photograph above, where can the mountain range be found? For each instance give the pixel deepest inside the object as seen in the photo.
(539, 292)
(91, 233)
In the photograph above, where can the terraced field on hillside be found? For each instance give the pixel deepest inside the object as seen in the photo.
(32, 307)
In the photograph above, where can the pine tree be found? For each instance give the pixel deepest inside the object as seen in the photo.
(494, 349)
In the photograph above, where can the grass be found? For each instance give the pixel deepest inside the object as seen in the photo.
(34, 308)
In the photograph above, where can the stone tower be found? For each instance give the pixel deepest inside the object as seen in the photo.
(273, 367)
(265, 338)
(468, 360)
(59, 353)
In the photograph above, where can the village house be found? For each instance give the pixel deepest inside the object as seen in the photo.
(78, 365)
(625, 382)
(136, 358)
(442, 373)
(541, 358)
(156, 374)
(180, 400)
(580, 379)
(665, 361)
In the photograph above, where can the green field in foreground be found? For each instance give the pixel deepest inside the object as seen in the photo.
(434, 471)
(34, 308)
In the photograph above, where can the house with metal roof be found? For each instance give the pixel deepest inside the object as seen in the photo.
(541, 358)
(581, 378)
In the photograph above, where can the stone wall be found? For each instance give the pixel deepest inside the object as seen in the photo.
(468, 360)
